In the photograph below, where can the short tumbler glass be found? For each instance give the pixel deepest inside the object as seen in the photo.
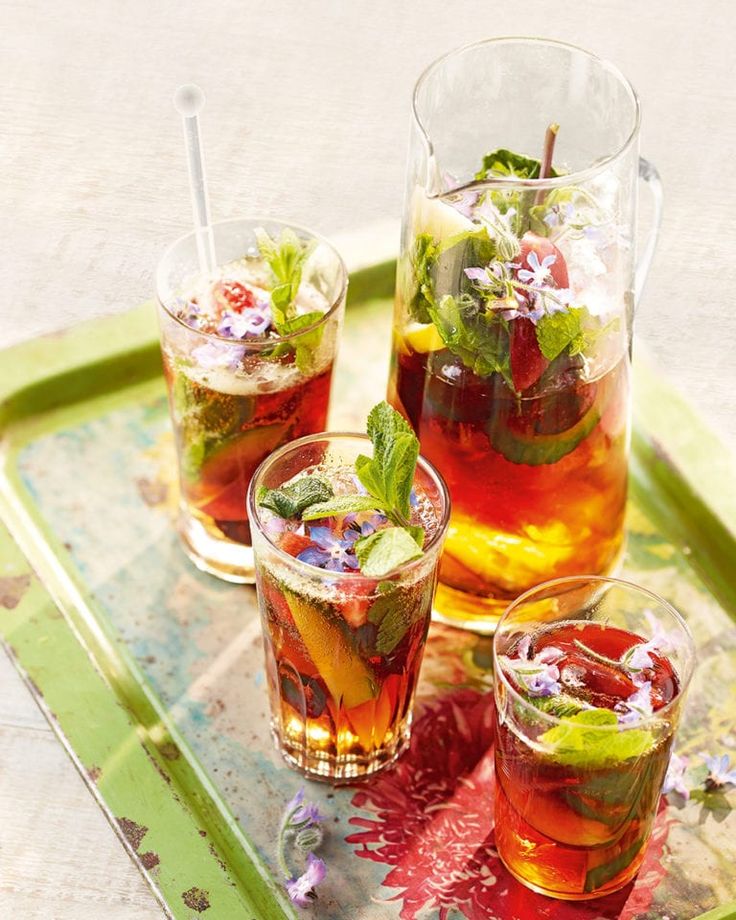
(572, 819)
(343, 650)
(235, 401)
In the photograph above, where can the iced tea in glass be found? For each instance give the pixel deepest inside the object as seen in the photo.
(343, 648)
(248, 352)
(590, 677)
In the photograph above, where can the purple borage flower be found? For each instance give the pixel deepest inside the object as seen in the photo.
(637, 707)
(639, 657)
(300, 812)
(559, 213)
(374, 523)
(538, 272)
(539, 676)
(465, 202)
(251, 322)
(674, 780)
(301, 822)
(719, 772)
(494, 219)
(485, 277)
(213, 355)
(532, 304)
(301, 889)
(329, 551)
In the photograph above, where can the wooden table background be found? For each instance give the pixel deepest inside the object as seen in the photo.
(307, 118)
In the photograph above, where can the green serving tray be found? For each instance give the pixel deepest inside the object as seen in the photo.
(151, 673)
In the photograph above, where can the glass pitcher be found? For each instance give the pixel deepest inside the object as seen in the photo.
(516, 287)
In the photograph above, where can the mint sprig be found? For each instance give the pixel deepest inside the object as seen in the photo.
(286, 258)
(506, 164)
(387, 476)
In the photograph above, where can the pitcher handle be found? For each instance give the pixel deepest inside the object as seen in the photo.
(649, 175)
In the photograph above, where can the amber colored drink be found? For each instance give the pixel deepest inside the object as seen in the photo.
(248, 349)
(341, 689)
(586, 716)
(538, 482)
(221, 438)
(343, 649)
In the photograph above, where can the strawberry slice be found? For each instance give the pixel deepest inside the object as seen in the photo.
(357, 600)
(293, 543)
(527, 361)
(232, 295)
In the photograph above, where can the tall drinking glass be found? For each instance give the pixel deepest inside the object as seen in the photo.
(237, 388)
(343, 649)
(590, 679)
(514, 307)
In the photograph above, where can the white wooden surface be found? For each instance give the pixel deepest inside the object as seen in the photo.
(307, 118)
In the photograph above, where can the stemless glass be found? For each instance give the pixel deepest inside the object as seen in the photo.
(342, 650)
(513, 315)
(234, 401)
(573, 815)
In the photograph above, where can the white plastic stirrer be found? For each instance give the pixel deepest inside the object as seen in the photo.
(189, 101)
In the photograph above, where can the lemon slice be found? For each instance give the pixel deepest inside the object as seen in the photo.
(348, 679)
(508, 559)
(435, 217)
(422, 338)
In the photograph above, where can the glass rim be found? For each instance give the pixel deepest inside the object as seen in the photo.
(571, 178)
(258, 344)
(353, 577)
(684, 679)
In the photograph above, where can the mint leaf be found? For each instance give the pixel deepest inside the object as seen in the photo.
(392, 614)
(389, 475)
(289, 501)
(396, 611)
(579, 741)
(370, 478)
(285, 257)
(597, 877)
(383, 604)
(392, 630)
(385, 550)
(307, 343)
(562, 331)
(561, 705)
(181, 397)
(416, 532)
(384, 425)
(478, 337)
(505, 164)
(341, 504)
(423, 259)
(400, 463)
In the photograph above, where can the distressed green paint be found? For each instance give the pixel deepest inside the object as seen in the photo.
(139, 772)
(142, 769)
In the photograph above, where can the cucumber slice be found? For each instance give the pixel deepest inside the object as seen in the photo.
(535, 449)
